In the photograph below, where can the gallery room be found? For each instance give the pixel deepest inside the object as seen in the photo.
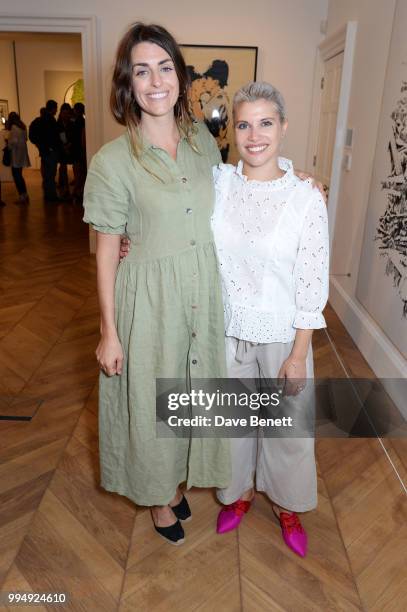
(203, 305)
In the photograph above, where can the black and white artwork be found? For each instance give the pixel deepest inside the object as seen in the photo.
(382, 280)
(210, 102)
(391, 233)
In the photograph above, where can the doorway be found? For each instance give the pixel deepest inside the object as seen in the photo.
(329, 115)
(40, 67)
(330, 92)
(86, 27)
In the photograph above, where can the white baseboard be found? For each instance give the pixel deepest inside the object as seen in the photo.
(382, 356)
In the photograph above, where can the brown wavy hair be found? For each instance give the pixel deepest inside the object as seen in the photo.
(123, 104)
(14, 119)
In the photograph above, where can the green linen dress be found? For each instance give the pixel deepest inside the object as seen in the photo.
(168, 308)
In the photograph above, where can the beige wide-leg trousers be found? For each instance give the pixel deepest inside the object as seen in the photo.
(284, 467)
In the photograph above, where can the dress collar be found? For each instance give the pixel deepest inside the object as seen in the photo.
(283, 163)
(146, 145)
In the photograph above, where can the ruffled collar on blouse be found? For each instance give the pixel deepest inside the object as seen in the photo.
(284, 164)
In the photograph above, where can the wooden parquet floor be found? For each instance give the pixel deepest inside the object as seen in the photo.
(60, 532)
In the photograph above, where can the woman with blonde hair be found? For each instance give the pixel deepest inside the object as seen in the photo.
(271, 234)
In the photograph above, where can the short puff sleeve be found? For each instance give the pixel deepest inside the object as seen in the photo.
(106, 200)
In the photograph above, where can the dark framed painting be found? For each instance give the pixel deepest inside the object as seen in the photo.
(216, 73)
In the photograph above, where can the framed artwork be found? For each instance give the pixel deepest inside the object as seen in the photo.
(382, 279)
(216, 73)
(3, 112)
(75, 93)
(64, 86)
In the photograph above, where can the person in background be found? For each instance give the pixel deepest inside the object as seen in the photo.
(2, 202)
(49, 144)
(65, 126)
(17, 143)
(79, 151)
(34, 133)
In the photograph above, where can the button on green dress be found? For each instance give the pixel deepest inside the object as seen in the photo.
(168, 308)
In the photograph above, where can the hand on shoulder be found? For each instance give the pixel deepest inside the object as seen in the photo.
(305, 176)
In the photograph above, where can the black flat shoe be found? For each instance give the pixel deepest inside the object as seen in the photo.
(182, 510)
(174, 534)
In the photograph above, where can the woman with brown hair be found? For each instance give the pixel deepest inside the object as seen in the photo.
(161, 308)
(17, 143)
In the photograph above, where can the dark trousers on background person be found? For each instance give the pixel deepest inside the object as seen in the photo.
(19, 180)
(49, 163)
(63, 181)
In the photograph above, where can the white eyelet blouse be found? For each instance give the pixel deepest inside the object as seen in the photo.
(272, 243)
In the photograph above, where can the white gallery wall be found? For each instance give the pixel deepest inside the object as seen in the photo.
(287, 34)
(8, 90)
(375, 20)
(33, 58)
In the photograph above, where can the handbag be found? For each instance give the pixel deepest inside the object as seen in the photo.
(6, 156)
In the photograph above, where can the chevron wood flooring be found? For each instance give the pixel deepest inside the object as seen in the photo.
(59, 531)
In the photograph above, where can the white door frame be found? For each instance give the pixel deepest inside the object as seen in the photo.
(87, 27)
(342, 40)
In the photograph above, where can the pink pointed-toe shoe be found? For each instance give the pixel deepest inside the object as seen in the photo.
(231, 516)
(294, 534)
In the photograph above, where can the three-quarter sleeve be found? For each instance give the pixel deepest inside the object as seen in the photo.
(312, 267)
(106, 200)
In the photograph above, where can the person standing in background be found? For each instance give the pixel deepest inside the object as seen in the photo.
(2, 202)
(34, 134)
(17, 143)
(65, 126)
(49, 144)
(79, 151)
